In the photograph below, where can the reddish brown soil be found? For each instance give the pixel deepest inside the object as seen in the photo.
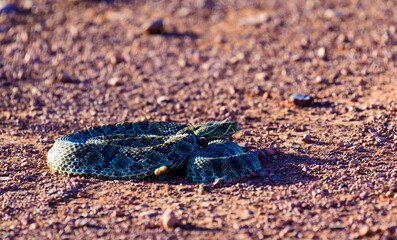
(66, 65)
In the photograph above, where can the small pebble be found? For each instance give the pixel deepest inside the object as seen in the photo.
(84, 222)
(307, 138)
(162, 99)
(266, 95)
(389, 194)
(301, 99)
(82, 194)
(380, 175)
(203, 188)
(321, 52)
(181, 62)
(319, 80)
(244, 145)
(118, 213)
(334, 13)
(183, 189)
(218, 183)
(392, 229)
(269, 151)
(255, 19)
(155, 27)
(66, 78)
(220, 39)
(261, 76)
(33, 226)
(364, 231)
(249, 211)
(169, 219)
(353, 163)
(114, 81)
(148, 214)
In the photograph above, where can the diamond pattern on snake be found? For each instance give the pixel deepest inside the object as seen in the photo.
(139, 149)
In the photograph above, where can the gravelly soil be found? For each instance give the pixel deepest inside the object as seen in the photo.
(330, 167)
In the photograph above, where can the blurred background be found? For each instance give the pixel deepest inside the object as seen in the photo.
(84, 61)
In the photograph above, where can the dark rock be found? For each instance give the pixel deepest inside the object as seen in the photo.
(301, 99)
(155, 27)
(66, 78)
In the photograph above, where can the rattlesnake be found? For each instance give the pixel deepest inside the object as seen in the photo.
(140, 149)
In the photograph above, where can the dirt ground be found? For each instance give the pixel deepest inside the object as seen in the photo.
(330, 166)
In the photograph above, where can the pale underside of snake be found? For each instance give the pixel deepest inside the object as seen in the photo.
(140, 149)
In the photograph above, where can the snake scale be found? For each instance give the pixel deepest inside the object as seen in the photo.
(139, 149)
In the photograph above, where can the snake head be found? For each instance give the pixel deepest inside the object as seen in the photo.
(213, 129)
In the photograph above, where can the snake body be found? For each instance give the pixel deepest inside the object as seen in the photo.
(140, 149)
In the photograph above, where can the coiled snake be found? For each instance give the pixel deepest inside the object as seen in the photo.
(139, 149)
